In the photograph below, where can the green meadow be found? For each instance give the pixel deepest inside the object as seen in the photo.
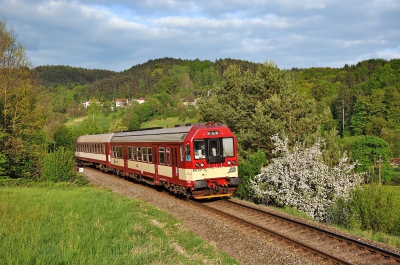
(85, 225)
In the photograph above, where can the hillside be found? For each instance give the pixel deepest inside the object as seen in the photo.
(363, 98)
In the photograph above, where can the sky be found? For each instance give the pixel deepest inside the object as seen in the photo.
(118, 34)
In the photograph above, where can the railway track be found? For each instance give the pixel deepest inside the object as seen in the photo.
(331, 247)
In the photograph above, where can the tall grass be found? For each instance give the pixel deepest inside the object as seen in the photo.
(48, 225)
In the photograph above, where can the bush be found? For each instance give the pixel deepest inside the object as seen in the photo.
(248, 168)
(369, 208)
(299, 178)
(374, 210)
(58, 166)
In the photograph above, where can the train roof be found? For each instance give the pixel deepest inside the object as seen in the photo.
(95, 138)
(174, 134)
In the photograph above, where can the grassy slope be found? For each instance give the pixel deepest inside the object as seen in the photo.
(104, 122)
(49, 225)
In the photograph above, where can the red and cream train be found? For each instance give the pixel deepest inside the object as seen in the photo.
(198, 161)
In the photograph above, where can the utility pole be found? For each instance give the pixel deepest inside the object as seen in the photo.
(342, 117)
(379, 169)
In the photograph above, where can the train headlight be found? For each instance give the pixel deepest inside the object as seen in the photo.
(232, 169)
(197, 165)
(202, 164)
(229, 162)
(233, 162)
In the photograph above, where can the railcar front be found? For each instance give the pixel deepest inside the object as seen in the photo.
(211, 162)
(93, 150)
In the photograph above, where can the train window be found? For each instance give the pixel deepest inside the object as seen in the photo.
(168, 157)
(120, 151)
(162, 155)
(139, 154)
(149, 155)
(187, 152)
(129, 152)
(213, 147)
(144, 154)
(199, 149)
(133, 152)
(227, 147)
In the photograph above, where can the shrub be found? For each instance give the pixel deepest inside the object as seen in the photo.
(374, 209)
(58, 166)
(298, 178)
(248, 168)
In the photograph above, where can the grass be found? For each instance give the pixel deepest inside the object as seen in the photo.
(65, 225)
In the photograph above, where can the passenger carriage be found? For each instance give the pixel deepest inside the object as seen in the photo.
(94, 150)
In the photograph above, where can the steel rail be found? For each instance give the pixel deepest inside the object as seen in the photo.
(350, 241)
(297, 244)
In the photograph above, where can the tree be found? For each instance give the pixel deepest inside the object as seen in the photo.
(21, 117)
(118, 126)
(367, 151)
(90, 125)
(64, 137)
(134, 122)
(298, 178)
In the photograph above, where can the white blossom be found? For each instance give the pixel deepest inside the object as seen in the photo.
(300, 179)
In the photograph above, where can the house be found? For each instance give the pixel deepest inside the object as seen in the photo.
(87, 103)
(395, 161)
(121, 102)
(139, 100)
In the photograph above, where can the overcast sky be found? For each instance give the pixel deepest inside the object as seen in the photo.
(118, 34)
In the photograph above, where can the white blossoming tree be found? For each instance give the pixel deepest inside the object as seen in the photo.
(298, 178)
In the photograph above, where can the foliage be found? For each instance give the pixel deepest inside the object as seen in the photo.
(21, 117)
(374, 209)
(65, 137)
(367, 151)
(118, 126)
(90, 125)
(300, 179)
(56, 75)
(58, 166)
(370, 208)
(248, 168)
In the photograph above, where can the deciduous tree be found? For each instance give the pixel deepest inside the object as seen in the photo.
(21, 117)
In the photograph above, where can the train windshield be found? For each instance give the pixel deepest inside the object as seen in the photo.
(216, 147)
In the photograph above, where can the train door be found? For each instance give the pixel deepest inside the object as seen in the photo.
(174, 162)
(125, 156)
(155, 161)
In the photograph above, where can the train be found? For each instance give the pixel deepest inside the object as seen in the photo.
(198, 161)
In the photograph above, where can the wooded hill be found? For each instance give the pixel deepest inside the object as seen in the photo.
(364, 99)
